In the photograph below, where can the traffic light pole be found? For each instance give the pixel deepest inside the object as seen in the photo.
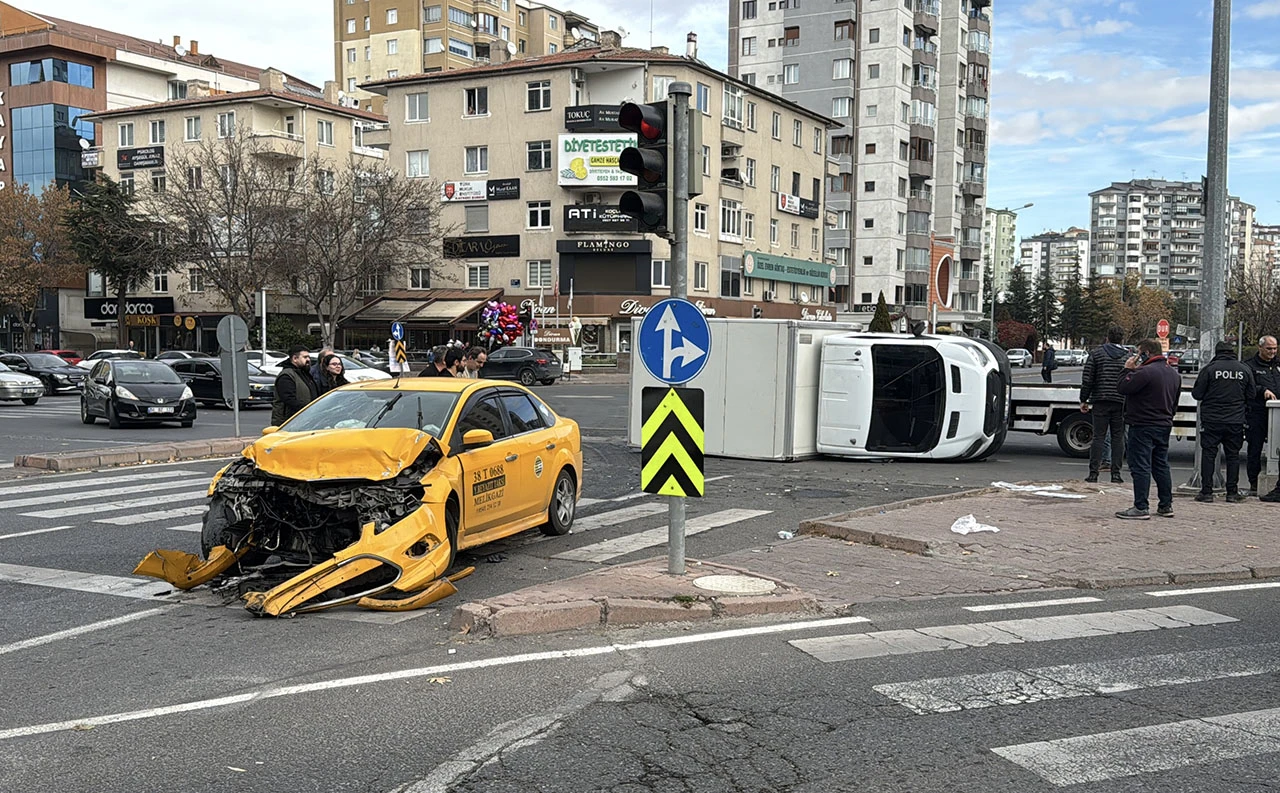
(679, 93)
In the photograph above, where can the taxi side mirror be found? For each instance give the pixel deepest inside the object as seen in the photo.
(269, 430)
(475, 439)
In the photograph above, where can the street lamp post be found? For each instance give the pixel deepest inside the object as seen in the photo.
(991, 287)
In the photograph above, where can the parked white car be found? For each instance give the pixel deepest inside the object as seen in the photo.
(92, 360)
(16, 385)
(1019, 357)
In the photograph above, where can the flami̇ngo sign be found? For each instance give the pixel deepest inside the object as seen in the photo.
(591, 160)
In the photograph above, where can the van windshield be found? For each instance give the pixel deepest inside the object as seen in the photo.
(909, 398)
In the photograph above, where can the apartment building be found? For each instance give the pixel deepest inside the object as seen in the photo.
(287, 124)
(1154, 229)
(385, 39)
(53, 73)
(1061, 253)
(526, 154)
(999, 246)
(908, 80)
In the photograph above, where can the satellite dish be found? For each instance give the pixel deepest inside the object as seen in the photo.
(511, 47)
(804, 297)
(341, 95)
(181, 50)
(576, 31)
(84, 144)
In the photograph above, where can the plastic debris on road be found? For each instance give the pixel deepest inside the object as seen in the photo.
(969, 524)
(786, 535)
(1052, 491)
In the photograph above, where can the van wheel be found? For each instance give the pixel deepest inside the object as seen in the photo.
(564, 505)
(1075, 435)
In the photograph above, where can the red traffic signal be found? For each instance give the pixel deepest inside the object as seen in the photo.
(647, 121)
(650, 161)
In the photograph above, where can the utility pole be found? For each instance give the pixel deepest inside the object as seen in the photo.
(679, 93)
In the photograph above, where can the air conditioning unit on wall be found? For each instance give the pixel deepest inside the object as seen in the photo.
(591, 198)
(769, 297)
(577, 76)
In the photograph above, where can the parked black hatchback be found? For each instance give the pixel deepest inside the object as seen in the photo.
(526, 365)
(121, 389)
(58, 376)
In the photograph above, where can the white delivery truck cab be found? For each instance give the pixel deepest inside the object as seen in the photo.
(912, 397)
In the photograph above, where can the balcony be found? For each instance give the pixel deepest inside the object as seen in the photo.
(924, 53)
(973, 188)
(277, 144)
(975, 152)
(921, 200)
(976, 87)
(971, 218)
(969, 249)
(926, 16)
(968, 284)
(975, 121)
(920, 168)
(979, 20)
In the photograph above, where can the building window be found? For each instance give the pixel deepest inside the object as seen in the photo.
(701, 271)
(776, 127)
(418, 164)
(505, 35)
(540, 272)
(477, 102)
(351, 85)
(324, 133)
(840, 107)
(748, 45)
(226, 124)
(750, 176)
(873, 71)
(700, 218)
(539, 152)
(730, 220)
(192, 127)
(790, 37)
(419, 277)
(476, 217)
(195, 178)
(368, 54)
(797, 133)
(126, 184)
(872, 110)
(815, 239)
(748, 226)
(868, 223)
(840, 183)
(432, 14)
(842, 218)
(417, 108)
(434, 45)
(392, 16)
(791, 74)
(751, 116)
(351, 54)
(775, 178)
(476, 160)
(904, 150)
(661, 273)
(539, 95)
(844, 31)
(730, 279)
(351, 26)
(870, 148)
(324, 182)
(366, 23)
(773, 231)
(158, 182)
(553, 21)
(868, 261)
(552, 49)
(795, 235)
(464, 49)
(393, 46)
(660, 83)
(539, 216)
(704, 99)
(868, 187)
(732, 106)
(706, 160)
(873, 35)
(841, 68)
(748, 9)
(477, 276)
(372, 285)
(126, 135)
(159, 282)
(195, 281)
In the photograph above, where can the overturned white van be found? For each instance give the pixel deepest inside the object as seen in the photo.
(914, 397)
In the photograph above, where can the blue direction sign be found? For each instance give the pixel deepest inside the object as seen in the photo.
(397, 331)
(675, 341)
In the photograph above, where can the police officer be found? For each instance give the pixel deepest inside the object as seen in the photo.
(1224, 389)
(1265, 365)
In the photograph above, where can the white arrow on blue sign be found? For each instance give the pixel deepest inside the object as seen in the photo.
(397, 331)
(675, 341)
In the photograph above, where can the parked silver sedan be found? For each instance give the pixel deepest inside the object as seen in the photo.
(1019, 357)
(16, 385)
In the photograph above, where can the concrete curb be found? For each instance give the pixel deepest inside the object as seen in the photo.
(132, 455)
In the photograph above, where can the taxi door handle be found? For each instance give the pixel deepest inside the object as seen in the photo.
(511, 458)
(550, 446)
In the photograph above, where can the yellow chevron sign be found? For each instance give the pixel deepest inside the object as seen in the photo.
(401, 356)
(672, 441)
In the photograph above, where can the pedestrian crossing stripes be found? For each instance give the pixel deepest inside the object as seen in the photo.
(621, 546)
(88, 495)
(108, 506)
(147, 517)
(45, 485)
(616, 516)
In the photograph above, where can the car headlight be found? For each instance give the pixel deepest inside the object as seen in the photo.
(257, 387)
(187, 394)
(125, 393)
(978, 354)
(61, 377)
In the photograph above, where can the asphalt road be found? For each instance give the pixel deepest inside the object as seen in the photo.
(186, 696)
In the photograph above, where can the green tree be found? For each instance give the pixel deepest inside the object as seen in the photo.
(880, 322)
(1044, 305)
(1073, 317)
(988, 300)
(35, 253)
(1096, 312)
(110, 239)
(1018, 300)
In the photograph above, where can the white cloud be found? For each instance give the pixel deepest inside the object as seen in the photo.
(1110, 27)
(1264, 10)
(1022, 129)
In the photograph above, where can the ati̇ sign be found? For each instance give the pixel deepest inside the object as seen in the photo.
(4, 137)
(597, 217)
(105, 307)
(634, 308)
(592, 160)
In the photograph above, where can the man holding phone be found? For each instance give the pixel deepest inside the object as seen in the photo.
(1151, 389)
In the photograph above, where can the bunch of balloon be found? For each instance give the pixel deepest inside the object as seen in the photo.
(500, 324)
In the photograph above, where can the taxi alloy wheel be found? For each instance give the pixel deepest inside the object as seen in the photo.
(563, 505)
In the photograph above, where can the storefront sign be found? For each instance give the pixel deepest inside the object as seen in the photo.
(142, 321)
(91, 158)
(795, 205)
(588, 160)
(499, 247)
(603, 246)
(502, 189)
(560, 337)
(146, 157)
(538, 311)
(4, 137)
(817, 314)
(464, 191)
(584, 118)
(870, 308)
(597, 217)
(782, 268)
(634, 308)
(105, 307)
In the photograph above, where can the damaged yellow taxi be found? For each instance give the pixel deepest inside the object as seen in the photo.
(367, 494)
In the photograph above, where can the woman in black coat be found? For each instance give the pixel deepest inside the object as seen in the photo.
(331, 374)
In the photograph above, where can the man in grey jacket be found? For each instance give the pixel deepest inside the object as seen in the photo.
(1099, 398)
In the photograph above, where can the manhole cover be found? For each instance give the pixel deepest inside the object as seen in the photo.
(735, 584)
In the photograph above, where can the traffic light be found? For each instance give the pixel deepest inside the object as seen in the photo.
(756, 313)
(650, 161)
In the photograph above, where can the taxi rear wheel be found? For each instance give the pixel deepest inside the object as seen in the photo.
(564, 505)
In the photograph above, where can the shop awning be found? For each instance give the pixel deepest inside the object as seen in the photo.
(389, 309)
(425, 307)
(446, 311)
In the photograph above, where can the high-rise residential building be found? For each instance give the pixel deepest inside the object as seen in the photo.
(385, 39)
(908, 80)
(527, 156)
(1000, 246)
(1060, 253)
(1154, 229)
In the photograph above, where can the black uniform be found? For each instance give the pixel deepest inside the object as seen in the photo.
(1106, 406)
(1266, 375)
(1224, 389)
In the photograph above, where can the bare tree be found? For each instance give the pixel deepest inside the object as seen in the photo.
(1257, 301)
(350, 224)
(35, 250)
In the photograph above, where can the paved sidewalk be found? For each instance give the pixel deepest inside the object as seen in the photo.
(908, 550)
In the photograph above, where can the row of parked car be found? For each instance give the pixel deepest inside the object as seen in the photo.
(1022, 357)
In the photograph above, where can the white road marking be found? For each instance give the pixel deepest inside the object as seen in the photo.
(111, 506)
(616, 516)
(42, 486)
(83, 629)
(1161, 747)
(88, 495)
(186, 527)
(120, 586)
(621, 546)
(419, 672)
(146, 517)
(1013, 687)
(591, 502)
(1205, 590)
(33, 531)
(831, 649)
(1031, 604)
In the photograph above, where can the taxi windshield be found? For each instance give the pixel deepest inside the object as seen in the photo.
(338, 410)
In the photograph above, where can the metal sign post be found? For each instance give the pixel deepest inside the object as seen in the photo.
(233, 336)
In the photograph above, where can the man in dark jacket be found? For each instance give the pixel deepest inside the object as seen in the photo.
(294, 386)
(1099, 397)
(1150, 388)
(1224, 389)
(1048, 363)
(436, 365)
(1265, 366)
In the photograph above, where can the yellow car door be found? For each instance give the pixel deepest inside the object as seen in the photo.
(532, 470)
(487, 485)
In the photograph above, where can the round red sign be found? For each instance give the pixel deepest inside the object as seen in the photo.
(1162, 328)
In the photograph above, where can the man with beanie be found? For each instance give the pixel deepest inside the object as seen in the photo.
(1224, 390)
(1150, 388)
(1265, 366)
(1099, 397)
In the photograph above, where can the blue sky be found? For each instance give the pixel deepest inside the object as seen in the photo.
(1097, 91)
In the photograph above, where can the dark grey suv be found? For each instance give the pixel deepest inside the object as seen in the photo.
(525, 365)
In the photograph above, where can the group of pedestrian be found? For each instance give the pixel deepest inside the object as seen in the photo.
(451, 361)
(1140, 391)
